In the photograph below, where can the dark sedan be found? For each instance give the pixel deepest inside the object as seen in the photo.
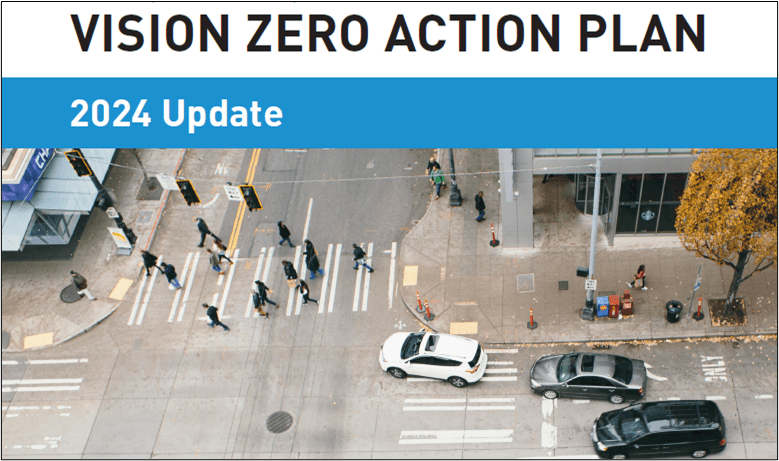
(589, 376)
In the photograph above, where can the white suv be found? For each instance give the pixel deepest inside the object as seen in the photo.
(461, 361)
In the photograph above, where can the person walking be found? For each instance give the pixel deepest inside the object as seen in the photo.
(431, 165)
(313, 265)
(480, 206)
(359, 257)
(203, 228)
(257, 299)
(213, 259)
(220, 250)
(264, 290)
(213, 314)
(149, 261)
(438, 181)
(304, 291)
(639, 280)
(80, 282)
(170, 274)
(289, 270)
(285, 234)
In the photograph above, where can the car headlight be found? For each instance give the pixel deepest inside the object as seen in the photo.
(534, 383)
(602, 447)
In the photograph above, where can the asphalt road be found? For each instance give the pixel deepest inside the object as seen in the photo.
(154, 381)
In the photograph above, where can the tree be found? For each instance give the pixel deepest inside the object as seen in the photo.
(728, 211)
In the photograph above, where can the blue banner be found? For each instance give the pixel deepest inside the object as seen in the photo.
(390, 112)
(29, 181)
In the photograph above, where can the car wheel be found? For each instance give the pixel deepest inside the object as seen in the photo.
(397, 372)
(616, 399)
(550, 394)
(457, 381)
(619, 456)
(699, 453)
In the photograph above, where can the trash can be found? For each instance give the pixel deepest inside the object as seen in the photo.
(674, 309)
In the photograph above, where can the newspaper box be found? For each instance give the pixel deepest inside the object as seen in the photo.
(627, 303)
(603, 306)
(613, 306)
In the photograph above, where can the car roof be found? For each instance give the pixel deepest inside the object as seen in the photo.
(451, 346)
(681, 415)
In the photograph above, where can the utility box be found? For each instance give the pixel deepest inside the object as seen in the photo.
(603, 306)
(627, 303)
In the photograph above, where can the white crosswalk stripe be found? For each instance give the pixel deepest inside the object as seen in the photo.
(367, 278)
(323, 294)
(142, 313)
(250, 302)
(178, 292)
(336, 266)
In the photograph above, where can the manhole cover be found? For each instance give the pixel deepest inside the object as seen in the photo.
(69, 294)
(279, 422)
(563, 285)
(6, 340)
(144, 217)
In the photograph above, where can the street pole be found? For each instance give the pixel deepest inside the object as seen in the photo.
(588, 312)
(695, 288)
(455, 199)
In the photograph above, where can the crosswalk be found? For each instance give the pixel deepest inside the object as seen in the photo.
(241, 275)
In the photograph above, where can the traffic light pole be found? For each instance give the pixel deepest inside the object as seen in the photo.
(455, 199)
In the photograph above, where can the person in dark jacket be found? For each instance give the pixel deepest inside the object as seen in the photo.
(81, 285)
(359, 258)
(284, 233)
(214, 316)
(480, 206)
(304, 291)
(639, 280)
(313, 266)
(221, 250)
(257, 300)
(263, 290)
(170, 274)
(213, 259)
(431, 165)
(203, 228)
(289, 270)
(149, 261)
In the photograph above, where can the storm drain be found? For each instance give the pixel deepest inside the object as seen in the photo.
(563, 285)
(279, 422)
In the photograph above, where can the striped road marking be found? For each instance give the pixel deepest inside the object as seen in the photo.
(42, 389)
(500, 370)
(298, 299)
(189, 287)
(466, 436)
(392, 272)
(500, 363)
(291, 298)
(178, 292)
(46, 362)
(229, 283)
(137, 300)
(715, 397)
(356, 303)
(499, 378)
(9, 382)
(501, 351)
(367, 279)
(764, 396)
(323, 294)
(148, 294)
(335, 277)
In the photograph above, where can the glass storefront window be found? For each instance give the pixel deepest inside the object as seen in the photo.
(648, 203)
(630, 191)
(585, 193)
(52, 229)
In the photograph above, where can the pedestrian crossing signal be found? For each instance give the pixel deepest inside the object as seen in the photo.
(188, 191)
(251, 198)
(77, 161)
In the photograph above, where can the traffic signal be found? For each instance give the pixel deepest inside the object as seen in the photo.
(250, 197)
(188, 191)
(78, 162)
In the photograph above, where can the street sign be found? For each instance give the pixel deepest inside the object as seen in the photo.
(234, 193)
(590, 284)
(112, 213)
(167, 182)
(120, 239)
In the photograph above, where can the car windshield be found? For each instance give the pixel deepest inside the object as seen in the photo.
(631, 424)
(566, 369)
(623, 370)
(411, 345)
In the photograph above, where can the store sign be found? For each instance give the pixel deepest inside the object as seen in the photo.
(120, 239)
(23, 191)
(648, 215)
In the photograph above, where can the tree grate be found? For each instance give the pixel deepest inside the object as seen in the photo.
(279, 422)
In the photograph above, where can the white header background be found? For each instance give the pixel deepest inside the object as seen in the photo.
(39, 40)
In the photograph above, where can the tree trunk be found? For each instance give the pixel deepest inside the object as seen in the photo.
(736, 282)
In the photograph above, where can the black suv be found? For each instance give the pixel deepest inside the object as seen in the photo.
(684, 427)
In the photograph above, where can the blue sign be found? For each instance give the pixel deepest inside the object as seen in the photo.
(29, 181)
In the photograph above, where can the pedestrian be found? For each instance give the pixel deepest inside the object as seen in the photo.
(304, 292)
(639, 280)
(214, 260)
(81, 285)
(170, 274)
(309, 249)
(220, 250)
(284, 233)
(289, 270)
(359, 258)
(203, 228)
(313, 265)
(149, 261)
(257, 299)
(480, 206)
(214, 316)
(431, 164)
(438, 181)
(264, 290)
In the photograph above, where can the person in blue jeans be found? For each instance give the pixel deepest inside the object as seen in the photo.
(480, 205)
(263, 290)
(438, 180)
(214, 316)
(170, 274)
(284, 233)
(359, 258)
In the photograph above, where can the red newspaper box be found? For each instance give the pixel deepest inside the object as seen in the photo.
(627, 303)
(613, 306)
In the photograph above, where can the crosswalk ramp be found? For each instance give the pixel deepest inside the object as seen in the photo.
(333, 290)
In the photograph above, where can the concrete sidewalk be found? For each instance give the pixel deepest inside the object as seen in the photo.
(33, 315)
(486, 293)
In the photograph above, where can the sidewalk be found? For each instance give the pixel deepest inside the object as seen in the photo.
(33, 314)
(486, 293)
